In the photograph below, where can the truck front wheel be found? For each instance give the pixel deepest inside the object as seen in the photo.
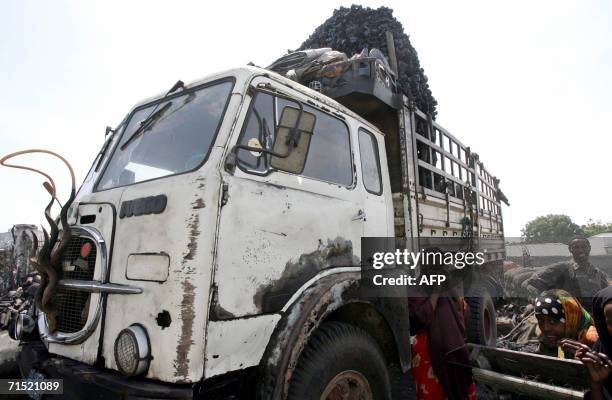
(340, 361)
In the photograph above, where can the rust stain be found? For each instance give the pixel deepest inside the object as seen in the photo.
(181, 364)
(199, 203)
(194, 232)
(187, 313)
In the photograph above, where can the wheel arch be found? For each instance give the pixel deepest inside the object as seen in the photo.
(335, 297)
(367, 317)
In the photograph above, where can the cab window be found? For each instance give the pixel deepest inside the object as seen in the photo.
(370, 163)
(329, 156)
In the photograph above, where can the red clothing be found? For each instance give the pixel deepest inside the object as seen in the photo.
(428, 386)
(444, 328)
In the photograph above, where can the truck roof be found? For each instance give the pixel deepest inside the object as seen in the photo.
(258, 71)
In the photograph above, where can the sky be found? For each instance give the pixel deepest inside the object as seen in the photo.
(526, 84)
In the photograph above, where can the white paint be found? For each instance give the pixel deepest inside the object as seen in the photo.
(237, 344)
(286, 216)
(148, 267)
(320, 275)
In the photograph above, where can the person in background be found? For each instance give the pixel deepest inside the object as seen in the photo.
(440, 358)
(598, 360)
(576, 276)
(439, 352)
(560, 316)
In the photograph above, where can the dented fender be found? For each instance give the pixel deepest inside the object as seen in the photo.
(308, 312)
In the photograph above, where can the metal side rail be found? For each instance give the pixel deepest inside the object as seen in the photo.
(530, 374)
(533, 389)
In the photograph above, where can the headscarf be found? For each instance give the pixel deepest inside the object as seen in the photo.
(599, 302)
(562, 306)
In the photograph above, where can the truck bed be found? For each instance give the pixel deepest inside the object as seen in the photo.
(441, 188)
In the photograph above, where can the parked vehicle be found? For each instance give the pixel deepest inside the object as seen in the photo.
(216, 240)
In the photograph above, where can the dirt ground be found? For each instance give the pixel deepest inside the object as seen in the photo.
(8, 353)
(8, 367)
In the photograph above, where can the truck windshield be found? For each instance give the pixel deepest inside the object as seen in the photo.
(177, 140)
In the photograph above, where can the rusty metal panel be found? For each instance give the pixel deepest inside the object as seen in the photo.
(237, 344)
(173, 312)
(278, 231)
(185, 232)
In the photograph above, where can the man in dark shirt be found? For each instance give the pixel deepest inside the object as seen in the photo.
(577, 276)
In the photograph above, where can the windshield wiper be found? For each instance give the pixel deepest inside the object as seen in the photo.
(145, 124)
(153, 115)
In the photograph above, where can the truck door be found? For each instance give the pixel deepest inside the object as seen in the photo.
(377, 204)
(277, 230)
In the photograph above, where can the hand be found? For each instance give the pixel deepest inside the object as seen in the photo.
(573, 346)
(598, 364)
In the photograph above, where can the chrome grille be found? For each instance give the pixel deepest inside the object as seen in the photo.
(73, 265)
(72, 310)
(73, 305)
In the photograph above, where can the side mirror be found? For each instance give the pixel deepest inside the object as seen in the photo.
(292, 138)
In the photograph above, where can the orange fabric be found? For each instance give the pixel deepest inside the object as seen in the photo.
(589, 336)
(579, 323)
(577, 319)
(427, 385)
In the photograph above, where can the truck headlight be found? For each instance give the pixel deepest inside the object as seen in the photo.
(21, 327)
(132, 350)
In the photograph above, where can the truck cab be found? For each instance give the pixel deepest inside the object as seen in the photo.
(216, 242)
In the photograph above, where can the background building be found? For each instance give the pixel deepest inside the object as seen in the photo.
(15, 249)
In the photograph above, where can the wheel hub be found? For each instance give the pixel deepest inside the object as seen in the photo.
(348, 385)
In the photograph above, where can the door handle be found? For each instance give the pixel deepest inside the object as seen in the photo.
(360, 215)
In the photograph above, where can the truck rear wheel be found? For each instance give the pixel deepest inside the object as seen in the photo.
(482, 324)
(340, 361)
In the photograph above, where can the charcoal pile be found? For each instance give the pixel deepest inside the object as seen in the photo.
(525, 347)
(350, 30)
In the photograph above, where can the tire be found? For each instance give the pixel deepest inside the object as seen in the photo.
(340, 355)
(482, 324)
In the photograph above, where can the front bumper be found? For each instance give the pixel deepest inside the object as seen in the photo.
(83, 381)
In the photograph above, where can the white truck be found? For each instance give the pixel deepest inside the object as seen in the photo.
(216, 241)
